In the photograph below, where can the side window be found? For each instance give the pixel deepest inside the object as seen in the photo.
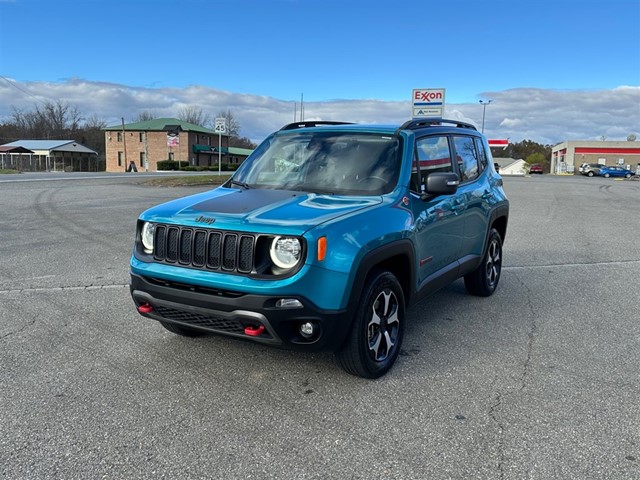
(433, 155)
(467, 158)
(482, 154)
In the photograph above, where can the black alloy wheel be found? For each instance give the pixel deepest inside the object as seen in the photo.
(376, 334)
(483, 281)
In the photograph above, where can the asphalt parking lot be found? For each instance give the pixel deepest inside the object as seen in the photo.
(539, 381)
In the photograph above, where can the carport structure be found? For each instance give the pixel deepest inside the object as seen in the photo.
(7, 152)
(49, 155)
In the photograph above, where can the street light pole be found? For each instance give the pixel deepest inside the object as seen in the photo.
(484, 104)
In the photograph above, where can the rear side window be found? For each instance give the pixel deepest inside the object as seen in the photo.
(467, 158)
(432, 155)
(482, 154)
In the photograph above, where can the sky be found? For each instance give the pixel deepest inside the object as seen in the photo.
(554, 70)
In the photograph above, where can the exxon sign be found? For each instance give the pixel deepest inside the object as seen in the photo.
(428, 102)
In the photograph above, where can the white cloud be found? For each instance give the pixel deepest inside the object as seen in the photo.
(511, 123)
(542, 115)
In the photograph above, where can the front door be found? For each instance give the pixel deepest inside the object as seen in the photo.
(438, 223)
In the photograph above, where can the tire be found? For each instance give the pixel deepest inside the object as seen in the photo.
(375, 339)
(628, 175)
(183, 331)
(606, 175)
(483, 281)
(590, 174)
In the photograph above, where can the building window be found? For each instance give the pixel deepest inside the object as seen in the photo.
(143, 157)
(142, 136)
(120, 157)
(170, 155)
(119, 137)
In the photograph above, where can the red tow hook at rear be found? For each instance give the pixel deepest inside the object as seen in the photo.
(254, 331)
(145, 308)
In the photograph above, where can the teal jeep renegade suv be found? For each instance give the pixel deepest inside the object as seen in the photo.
(324, 237)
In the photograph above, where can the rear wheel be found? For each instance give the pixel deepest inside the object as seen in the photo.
(181, 330)
(606, 175)
(483, 281)
(590, 174)
(376, 334)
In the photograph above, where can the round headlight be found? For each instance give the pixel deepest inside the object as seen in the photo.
(147, 236)
(285, 252)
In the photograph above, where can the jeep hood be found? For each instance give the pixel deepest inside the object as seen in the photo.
(258, 210)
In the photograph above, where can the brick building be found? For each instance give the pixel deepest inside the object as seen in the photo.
(147, 143)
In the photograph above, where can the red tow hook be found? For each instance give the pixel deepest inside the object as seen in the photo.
(145, 308)
(254, 331)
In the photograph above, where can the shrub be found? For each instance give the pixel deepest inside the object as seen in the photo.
(172, 165)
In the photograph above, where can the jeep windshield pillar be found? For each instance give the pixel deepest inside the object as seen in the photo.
(324, 237)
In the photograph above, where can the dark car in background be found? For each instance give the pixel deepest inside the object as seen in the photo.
(590, 169)
(615, 172)
(536, 168)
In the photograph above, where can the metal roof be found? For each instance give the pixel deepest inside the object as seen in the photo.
(506, 162)
(51, 146)
(160, 125)
(14, 149)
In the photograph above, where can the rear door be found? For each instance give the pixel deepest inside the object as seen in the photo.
(474, 193)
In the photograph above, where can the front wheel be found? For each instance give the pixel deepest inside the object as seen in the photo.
(628, 175)
(376, 334)
(483, 281)
(590, 174)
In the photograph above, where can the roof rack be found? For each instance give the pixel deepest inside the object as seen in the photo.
(432, 122)
(312, 123)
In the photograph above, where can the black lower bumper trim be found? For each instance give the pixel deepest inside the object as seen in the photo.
(246, 316)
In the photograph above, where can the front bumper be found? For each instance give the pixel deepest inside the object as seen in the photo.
(246, 316)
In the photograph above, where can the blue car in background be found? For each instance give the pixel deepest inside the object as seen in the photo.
(615, 172)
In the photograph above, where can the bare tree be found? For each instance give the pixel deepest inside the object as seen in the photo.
(52, 120)
(91, 134)
(94, 122)
(194, 114)
(145, 116)
(233, 126)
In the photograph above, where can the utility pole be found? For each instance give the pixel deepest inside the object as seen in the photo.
(302, 107)
(124, 143)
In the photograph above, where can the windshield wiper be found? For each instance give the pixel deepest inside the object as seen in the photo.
(246, 186)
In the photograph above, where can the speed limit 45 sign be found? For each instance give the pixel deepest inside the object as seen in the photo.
(221, 126)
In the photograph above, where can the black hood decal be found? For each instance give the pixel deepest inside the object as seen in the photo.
(243, 201)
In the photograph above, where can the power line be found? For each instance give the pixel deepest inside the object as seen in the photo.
(22, 89)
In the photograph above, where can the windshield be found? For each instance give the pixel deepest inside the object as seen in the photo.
(324, 162)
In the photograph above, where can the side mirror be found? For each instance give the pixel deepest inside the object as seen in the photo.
(441, 184)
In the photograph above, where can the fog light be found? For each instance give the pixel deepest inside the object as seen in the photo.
(307, 329)
(288, 303)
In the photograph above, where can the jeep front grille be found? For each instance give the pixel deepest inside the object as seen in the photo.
(210, 249)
